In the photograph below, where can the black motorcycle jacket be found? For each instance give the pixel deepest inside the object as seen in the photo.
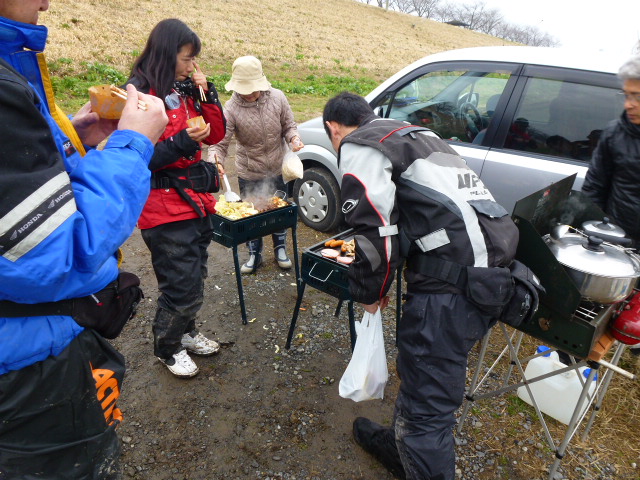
(403, 185)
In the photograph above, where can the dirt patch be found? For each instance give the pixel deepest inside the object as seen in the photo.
(255, 410)
(259, 411)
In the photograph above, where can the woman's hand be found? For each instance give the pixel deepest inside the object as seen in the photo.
(199, 78)
(212, 157)
(198, 134)
(296, 144)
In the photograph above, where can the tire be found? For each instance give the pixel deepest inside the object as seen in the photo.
(317, 195)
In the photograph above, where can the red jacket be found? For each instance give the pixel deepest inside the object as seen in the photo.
(176, 150)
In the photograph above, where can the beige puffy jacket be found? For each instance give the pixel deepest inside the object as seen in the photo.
(259, 128)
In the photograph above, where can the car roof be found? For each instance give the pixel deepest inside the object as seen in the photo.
(597, 61)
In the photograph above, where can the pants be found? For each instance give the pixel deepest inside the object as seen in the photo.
(435, 335)
(179, 257)
(59, 415)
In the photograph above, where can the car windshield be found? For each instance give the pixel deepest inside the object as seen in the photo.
(457, 104)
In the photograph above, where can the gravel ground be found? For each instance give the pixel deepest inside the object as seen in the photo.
(259, 411)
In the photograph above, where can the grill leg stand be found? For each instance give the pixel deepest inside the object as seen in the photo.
(606, 380)
(352, 324)
(236, 263)
(469, 397)
(296, 310)
(294, 241)
(338, 308)
(573, 425)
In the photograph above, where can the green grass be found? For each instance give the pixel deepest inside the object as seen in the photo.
(72, 90)
(307, 94)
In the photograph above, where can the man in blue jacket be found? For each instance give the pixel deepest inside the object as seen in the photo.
(65, 209)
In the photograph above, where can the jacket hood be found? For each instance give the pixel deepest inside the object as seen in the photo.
(631, 128)
(15, 36)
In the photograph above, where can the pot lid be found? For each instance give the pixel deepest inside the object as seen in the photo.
(590, 255)
(595, 227)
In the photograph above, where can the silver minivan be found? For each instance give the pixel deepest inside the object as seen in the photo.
(522, 117)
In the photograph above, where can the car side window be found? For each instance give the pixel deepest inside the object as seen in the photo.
(561, 118)
(457, 104)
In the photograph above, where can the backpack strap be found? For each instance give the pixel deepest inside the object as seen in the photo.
(450, 272)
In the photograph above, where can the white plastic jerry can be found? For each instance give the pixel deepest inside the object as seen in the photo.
(558, 395)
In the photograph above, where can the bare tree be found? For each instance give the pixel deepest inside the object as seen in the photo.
(446, 12)
(421, 8)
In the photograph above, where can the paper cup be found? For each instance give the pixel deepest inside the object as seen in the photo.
(197, 122)
(105, 103)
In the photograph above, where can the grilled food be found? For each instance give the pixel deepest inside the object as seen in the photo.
(348, 249)
(333, 243)
(234, 210)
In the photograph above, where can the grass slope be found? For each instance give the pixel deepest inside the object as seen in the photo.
(309, 48)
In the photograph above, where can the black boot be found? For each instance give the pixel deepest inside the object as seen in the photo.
(255, 256)
(379, 442)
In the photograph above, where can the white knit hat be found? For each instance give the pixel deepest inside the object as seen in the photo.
(247, 76)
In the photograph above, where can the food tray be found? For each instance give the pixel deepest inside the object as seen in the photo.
(230, 232)
(326, 274)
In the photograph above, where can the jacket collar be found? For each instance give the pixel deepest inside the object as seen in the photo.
(631, 128)
(15, 36)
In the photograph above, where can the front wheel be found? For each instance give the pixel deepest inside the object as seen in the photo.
(318, 197)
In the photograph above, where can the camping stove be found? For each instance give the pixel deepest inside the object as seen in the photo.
(564, 319)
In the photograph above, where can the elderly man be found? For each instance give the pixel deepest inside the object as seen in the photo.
(612, 180)
(64, 213)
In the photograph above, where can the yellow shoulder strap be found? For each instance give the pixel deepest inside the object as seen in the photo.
(56, 112)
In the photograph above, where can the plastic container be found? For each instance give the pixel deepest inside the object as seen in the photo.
(557, 396)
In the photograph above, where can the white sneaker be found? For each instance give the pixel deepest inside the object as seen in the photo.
(200, 345)
(181, 365)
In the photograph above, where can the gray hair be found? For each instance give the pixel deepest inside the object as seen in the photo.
(630, 70)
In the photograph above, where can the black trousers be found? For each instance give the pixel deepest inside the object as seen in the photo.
(58, 416)
(179, 257)
(435, 335)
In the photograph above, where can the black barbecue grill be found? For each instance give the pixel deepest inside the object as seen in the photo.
(331, 277)
(232, 233)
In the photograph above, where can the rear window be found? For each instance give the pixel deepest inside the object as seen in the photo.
(562, 118)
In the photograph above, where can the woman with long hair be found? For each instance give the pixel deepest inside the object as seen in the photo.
(175, 223)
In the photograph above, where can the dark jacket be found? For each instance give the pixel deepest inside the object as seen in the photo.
(399, 176)
(613, 178)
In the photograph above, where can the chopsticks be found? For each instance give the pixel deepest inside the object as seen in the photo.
(203, 97)
(119, 92)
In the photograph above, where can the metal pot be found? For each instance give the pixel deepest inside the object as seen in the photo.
(607, 231)
(602, 272)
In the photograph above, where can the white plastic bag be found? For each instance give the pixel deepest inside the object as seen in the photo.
(291, 166)
(367, 374)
